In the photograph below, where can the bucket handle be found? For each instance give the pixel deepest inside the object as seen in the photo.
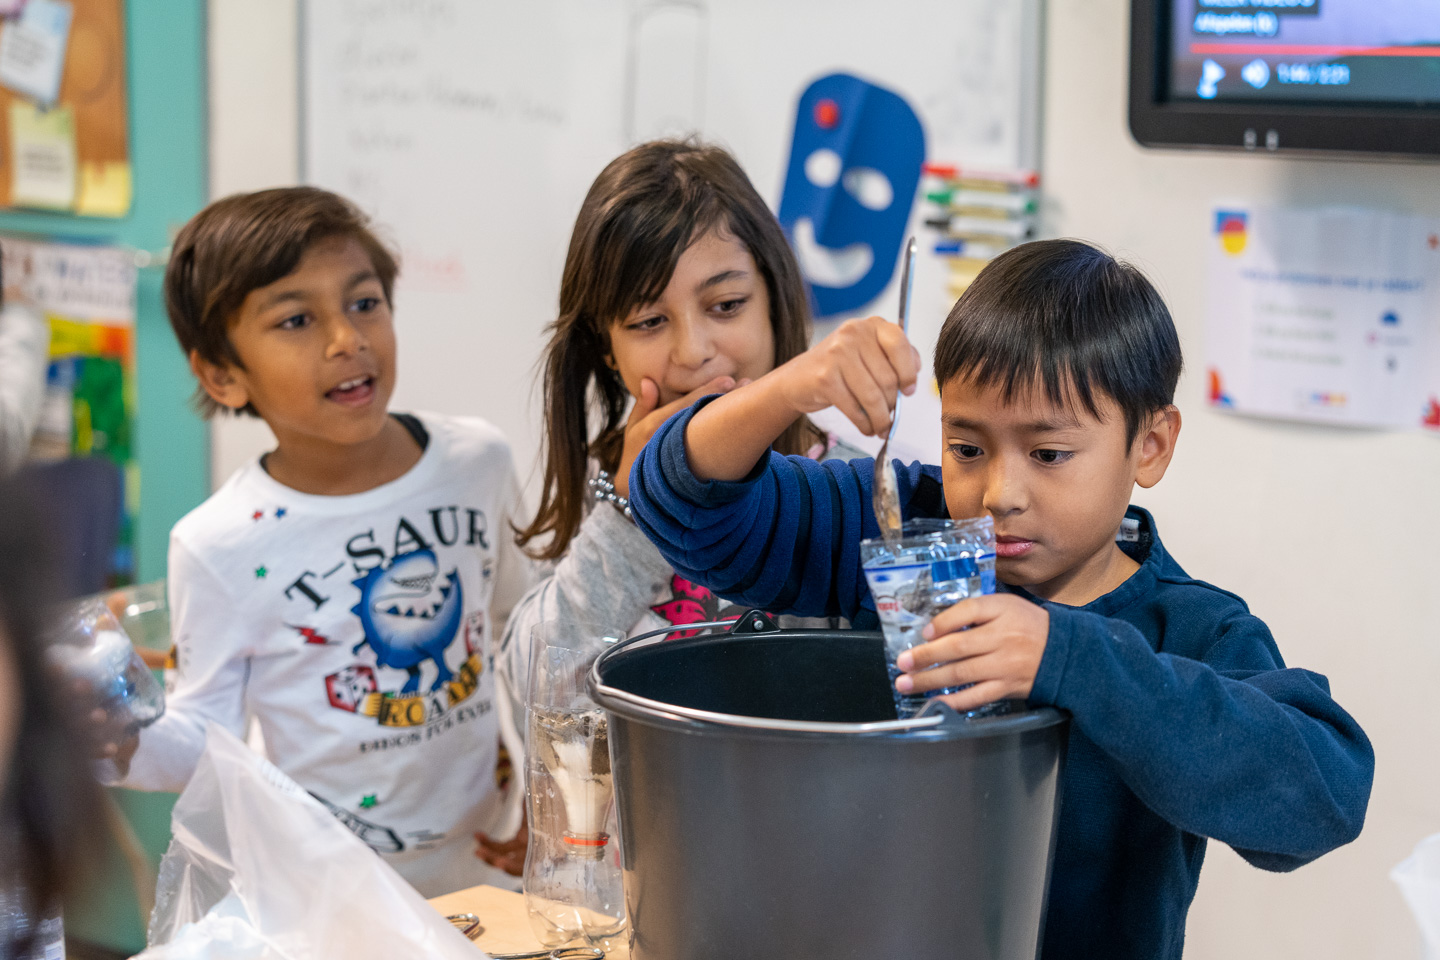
(651, 635)
(923, 720)
(933, 714)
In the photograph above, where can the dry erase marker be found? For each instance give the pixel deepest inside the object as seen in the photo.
(1019, 178)
(983, 215)
(969, 249)
(984, 227)
(986, 200)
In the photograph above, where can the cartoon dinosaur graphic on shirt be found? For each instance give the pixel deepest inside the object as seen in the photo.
(410, 614)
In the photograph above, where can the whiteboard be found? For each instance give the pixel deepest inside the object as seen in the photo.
(471, 129)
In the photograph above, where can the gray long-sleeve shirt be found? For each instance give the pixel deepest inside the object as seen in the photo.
(609, 577)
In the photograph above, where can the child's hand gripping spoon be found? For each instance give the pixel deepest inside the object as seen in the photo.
(886, 495)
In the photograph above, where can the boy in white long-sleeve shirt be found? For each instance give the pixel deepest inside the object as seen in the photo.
(345, 588)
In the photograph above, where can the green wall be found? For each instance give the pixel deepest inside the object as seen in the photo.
(165, 42)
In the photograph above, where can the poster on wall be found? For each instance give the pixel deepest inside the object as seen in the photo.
(1430, 408)
(1327, 315)
(87, 295)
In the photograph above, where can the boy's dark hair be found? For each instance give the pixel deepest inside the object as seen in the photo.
(1072, 318)
(642, 213)
(245, 242)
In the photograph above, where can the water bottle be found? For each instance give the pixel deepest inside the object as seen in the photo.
(572, 879)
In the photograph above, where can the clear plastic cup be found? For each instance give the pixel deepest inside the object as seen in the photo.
(143, 613)
(94, 654)
(934, 565)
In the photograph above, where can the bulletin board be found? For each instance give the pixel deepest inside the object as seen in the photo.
(64, 143)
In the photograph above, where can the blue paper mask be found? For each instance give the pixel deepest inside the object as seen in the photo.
(854, 166)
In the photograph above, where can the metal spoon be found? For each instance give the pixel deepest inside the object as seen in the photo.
(886, 494)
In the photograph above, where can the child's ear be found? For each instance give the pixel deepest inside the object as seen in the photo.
(219, 382)
(1157, 446)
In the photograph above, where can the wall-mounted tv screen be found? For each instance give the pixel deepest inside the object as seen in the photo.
(1311, 75)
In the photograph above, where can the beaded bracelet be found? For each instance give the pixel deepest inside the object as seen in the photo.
(604, 489)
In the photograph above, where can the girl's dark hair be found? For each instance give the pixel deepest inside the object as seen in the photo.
(1072, 318)
(643, 211)
(245, 242)
(51, 815)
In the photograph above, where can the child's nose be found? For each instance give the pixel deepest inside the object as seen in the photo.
(345, 337)
(692, 345)
(1004, 488)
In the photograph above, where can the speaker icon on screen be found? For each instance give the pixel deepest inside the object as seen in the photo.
(1211, 73)
(1256, 73)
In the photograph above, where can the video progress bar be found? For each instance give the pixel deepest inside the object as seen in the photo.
(1309, 50)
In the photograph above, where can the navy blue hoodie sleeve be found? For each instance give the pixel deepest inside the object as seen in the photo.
(1232, 746)
(785, 538)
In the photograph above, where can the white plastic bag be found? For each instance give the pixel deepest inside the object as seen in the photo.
(225, 933)
(259, 870)
(1419, 879)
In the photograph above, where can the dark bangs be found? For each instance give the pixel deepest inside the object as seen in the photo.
(1071, 318)
(642, 214)
(638, 245)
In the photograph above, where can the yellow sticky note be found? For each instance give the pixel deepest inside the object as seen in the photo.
(42, 156)
(104, 189)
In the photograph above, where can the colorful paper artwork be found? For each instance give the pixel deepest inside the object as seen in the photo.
(87, 295)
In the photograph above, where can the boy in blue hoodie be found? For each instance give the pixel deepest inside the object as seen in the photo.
(1057, 371)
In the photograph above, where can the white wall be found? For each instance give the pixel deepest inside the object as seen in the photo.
(1330, 534)
(254, 143)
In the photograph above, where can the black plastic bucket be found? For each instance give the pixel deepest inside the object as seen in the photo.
(771, 806)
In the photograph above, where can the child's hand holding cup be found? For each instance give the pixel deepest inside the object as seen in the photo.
(933, 566)
(100, 667)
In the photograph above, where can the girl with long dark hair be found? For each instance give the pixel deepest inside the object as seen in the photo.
(678, 283)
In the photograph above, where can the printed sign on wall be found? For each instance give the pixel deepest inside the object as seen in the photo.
(1324, 315)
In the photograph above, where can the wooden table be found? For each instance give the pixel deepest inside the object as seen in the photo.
(502, 914)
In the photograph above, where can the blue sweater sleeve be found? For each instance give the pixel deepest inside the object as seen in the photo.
(785, 538)
(1232, 746)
